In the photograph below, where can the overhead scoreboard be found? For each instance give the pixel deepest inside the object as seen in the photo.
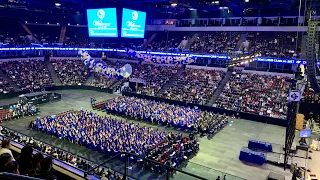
(133, 23)
(102, 22)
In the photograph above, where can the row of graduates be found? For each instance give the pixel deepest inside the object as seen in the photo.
(183, 118)
(155, 112)
(105, 134)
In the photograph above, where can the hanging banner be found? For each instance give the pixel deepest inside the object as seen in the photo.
(161, 59)
(118, 73)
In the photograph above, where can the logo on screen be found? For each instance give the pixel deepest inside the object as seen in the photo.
(101, 14)
(135, 15)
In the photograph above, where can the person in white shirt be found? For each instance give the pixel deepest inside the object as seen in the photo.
(5, 148)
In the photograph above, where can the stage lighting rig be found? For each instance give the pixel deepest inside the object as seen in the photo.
(239, 60)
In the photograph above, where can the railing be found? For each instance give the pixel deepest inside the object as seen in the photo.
(10, 176)
(132, 166)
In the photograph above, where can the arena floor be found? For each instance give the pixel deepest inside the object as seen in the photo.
(220, 152)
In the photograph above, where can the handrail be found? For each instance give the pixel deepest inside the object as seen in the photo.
(16, 176)
(109, 159)
(127, 154)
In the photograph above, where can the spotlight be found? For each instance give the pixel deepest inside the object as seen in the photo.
(215, 2)
(246, 1)
(192, 9)
(174, 4)
(57, 4)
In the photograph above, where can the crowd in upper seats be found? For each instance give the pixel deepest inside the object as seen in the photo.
(153, 76)
(183, 118)
(31, 165)
(194, 86)
(70, 71)
(5, 86)
(274, 44)
(111, 136)
(167, 41)
(215, 42)
(258, 94)
(28, 74)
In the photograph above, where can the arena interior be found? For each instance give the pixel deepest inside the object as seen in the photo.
(158, 89)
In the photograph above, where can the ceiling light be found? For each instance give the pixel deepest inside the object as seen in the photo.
(215, 2)
(246, 1)
(192, 9)
(174, 4)
(57, 4)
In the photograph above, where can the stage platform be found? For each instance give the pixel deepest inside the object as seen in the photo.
(39, 97)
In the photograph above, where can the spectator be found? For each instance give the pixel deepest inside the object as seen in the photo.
(5, 148)
(11, 167)
(25, 159)
(36, 160)
(4, 159)
(45, 172)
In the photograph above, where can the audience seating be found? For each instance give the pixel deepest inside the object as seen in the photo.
(215, 42)
(269, 44)
(194, 86)
(70, 71)
(28, 74)
(154, 76)
(264, 95)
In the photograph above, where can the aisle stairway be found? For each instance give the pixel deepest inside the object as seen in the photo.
(170, 82)
(243, 38)
(62, 33)
(145, 45)
(89, 79)
(53, 74)
(190, 41)
(220, 88)
(6, 78)
(29, 31)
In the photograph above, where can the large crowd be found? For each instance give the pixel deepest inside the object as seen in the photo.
(264, 95)
(194, 86)
(215, 42)
(154, 77)
(179, 117)
(70, 71)
(111, 136)
(283, 45)
(28, 74)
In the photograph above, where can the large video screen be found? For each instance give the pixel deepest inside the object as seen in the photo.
(102, 22)
(133, 23)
